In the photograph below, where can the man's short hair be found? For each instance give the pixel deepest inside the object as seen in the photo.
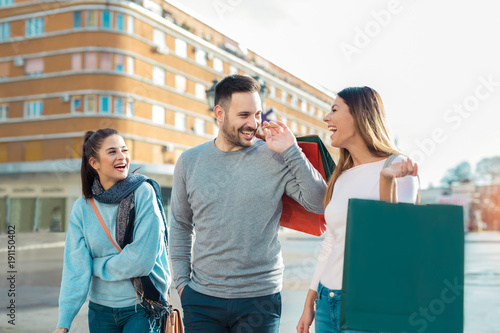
(234, 84)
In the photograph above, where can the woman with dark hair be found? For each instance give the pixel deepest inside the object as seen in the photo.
(357, 123)
(121, 269)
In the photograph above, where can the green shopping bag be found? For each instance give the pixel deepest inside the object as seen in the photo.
(403, 268)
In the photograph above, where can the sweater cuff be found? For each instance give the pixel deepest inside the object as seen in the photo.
(65, 319)
(291, 151)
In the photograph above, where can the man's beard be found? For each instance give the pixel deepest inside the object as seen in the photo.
(232, 135)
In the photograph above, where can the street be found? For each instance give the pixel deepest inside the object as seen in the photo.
(38, 266)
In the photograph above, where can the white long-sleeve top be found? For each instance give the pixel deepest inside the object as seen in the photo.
(360, 182)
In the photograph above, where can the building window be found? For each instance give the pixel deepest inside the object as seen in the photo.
(76, 104)
(181, 48)
(218, 65)
(90, 60)
(106, 19)
(6, 2)
(106, 61)
(199, 126)
(130, 24)
(4, 31)
(35, 27)
(34, 67)
(158, 76)
(294, 127)
(233, 70)
(283, 96)
(120, 22)
(105, 104)
(33, 109)
(76, 61)
(294, 101)
(158, 115)
(77, 19)
(180, 82)
(4, 110)
(201, 57)
(180, 121)
(284, 120)
(130, 107)
(200, 91)
(303, 105)
(91, 18)
(119, 62)
(159, 38)
(119, 106)
(272, 91)
(90, 104)
(130, 65)
(153, 6)
(303, 129)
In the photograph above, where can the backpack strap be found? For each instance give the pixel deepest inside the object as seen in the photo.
(103, 225)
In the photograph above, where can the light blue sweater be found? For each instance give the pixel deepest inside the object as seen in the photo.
(91, 262)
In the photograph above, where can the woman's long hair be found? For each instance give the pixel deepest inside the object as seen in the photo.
(365, 106)
(92, 142)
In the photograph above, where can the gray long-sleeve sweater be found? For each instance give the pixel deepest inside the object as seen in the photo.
(233, 202)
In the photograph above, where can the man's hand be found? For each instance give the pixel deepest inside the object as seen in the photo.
(279, 138)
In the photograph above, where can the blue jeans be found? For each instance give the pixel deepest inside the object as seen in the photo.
(131, 319)
(207, 314)
(328, 311)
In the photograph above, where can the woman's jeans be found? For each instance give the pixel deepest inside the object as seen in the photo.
(132, 319)
(328, 311)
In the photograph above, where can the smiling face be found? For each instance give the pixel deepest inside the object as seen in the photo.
(341, 123)
(240, 122)
(113, 162)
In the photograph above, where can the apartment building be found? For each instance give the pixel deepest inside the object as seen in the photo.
(142, 67)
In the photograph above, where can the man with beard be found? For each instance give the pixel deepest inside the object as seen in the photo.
(229, 191)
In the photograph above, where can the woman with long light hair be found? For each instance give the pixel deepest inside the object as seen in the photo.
(357, 123)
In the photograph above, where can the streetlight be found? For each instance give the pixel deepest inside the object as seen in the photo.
(263, 90)
(211, 95)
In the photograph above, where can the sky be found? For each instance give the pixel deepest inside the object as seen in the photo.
(436, 64)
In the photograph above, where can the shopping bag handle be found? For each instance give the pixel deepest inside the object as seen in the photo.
(389, 161)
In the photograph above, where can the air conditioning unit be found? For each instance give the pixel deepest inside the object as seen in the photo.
(65, 98)
(161, 49)
(18, 62)
(167, 147)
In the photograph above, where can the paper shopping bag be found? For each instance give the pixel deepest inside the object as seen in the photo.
(403, 268)
(294, 216)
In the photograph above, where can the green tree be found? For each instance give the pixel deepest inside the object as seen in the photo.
(488, 170)
(461, 173)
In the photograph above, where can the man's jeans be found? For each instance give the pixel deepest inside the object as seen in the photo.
(207, 314)
(131, 319)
